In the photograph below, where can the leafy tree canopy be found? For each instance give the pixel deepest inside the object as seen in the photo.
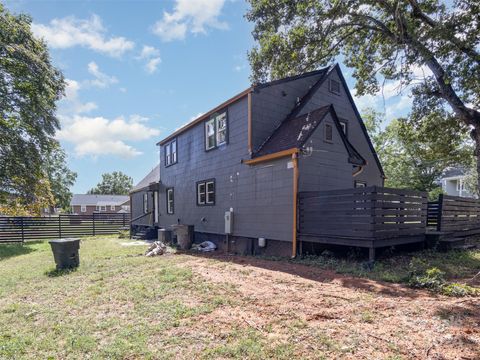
(415, 154)
(115, 183)
(29, 88)
(396, 40)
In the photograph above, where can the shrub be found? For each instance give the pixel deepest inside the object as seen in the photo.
(434, 279)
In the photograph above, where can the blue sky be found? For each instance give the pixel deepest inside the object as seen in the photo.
(137, 71)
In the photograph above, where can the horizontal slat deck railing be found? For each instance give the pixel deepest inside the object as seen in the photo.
(433, 215)
(370, 213)
(460, 217)
(20, 228)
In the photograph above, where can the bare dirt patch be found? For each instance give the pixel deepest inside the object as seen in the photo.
(324, 314)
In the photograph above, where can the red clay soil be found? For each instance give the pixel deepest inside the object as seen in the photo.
(341, 317)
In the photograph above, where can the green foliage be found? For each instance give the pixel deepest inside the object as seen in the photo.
(426, 45)
(116, 183)
(433, 279)
(60, 176)
(29, 87)
(414, 153)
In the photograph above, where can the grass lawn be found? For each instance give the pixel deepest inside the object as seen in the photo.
(121, 305)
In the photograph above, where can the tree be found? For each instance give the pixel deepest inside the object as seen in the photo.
(60, 177)
(29, 87)
(415, 156)
(383, 39)
(116, 183)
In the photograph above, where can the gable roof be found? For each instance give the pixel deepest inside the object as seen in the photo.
(152, 177)
(453, 172)
(100, 200)
(237, 97)
(295, 131)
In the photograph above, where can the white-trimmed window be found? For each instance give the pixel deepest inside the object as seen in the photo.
(460, 185)
(145, 203)
(334, 86)
(170, 201)
(206, 192)
(83, 208)
(216, 131)
(101, 208)
(171, 153)
(112, 207)
(328, 132)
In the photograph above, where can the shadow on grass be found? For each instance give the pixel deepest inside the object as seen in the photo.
(60, 272)
(11, 250)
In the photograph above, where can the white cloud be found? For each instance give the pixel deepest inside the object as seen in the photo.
(138, 118)
(400, 107)
(90, 33)
(96, 136)
(152, 56)
(193, 16)
(101, 80)
(123, 89)
(71, 103)
(148, 52)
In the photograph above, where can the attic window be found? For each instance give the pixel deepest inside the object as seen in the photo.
(216, 131)
(171, 153)
(334, 86)
(328, 132)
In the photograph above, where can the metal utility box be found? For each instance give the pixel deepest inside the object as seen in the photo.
(228, 222)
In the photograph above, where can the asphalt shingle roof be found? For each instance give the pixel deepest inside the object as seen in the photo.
(152, 177)
(92, 199)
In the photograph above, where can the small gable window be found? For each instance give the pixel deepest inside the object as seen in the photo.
(216, 131)
(206, 192)
(170, 201)
(83, 208)
(334, 86)
(328, 133)
(171, 153)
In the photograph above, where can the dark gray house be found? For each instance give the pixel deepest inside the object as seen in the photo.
(252, 154)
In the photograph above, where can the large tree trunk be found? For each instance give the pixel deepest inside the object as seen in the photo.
(475, 134)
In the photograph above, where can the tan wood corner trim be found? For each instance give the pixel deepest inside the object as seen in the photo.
(273, 156)
(295, 203)
(250, 147)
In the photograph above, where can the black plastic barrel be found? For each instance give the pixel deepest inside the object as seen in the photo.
(65, 253)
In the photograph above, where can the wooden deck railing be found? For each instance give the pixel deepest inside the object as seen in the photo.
(369, 213)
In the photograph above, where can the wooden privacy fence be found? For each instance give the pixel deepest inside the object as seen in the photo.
(371, 216)
(455, 216)
(21, 228)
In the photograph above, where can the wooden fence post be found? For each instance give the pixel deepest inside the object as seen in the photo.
(23, 231)
(123, 219)
(59, 226)
(439, 214)
(93, 223)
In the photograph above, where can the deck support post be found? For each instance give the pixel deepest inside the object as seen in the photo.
(371, 254)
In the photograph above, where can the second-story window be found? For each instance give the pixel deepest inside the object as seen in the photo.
(216, 131)
(171, 153)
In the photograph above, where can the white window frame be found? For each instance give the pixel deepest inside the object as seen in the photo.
(83, 208)
(214, 131)
(171, 153)
(210, 133)
(460, 185)
(145, 203)
(101, 208)
(170, 201)
(203, 192)
(221, 118)
(112, 207)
